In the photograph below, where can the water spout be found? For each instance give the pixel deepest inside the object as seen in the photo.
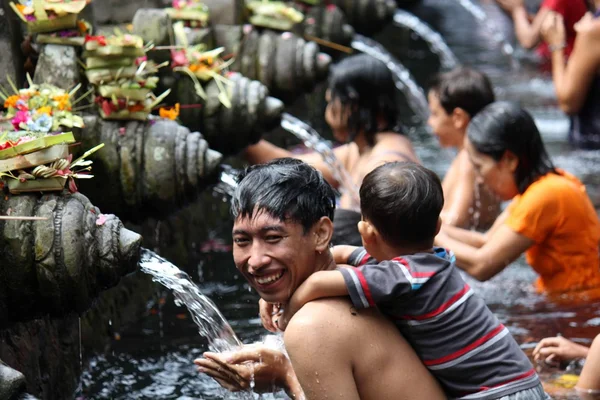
(435, 41)
(402, 77)
(313, 140)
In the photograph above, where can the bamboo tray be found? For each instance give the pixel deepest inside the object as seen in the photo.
(15, 186)
(34, 159)
(37, 144)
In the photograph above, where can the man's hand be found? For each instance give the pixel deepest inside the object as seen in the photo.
(555, 349)
(269, 369)
(269, 313)
(553, 30)
(510, 5)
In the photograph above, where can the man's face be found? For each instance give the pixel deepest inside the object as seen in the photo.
(274, 256)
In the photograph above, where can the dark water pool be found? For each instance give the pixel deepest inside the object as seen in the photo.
(152, 358)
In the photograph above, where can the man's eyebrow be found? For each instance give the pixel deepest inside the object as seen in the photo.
(276, 228)
(239, 232)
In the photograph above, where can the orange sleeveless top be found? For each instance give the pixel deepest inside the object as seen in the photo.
(557, 214)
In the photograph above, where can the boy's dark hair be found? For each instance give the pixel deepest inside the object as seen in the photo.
(504, 126)
(463, 88)
(366, 86)
(285, 188)
(403, 201)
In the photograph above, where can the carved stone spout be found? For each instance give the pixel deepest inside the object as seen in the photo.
(145, 167)
(228, 130)
(60, 264)
(367, 16)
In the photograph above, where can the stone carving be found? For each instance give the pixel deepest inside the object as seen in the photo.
(229, 130)
(59, 265)
(146, 167)
(329, 23)
(367, 16)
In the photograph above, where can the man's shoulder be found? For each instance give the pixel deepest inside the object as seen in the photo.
(324, 317)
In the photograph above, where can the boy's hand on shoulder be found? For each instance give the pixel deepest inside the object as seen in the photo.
(342, 253)
(269, 313)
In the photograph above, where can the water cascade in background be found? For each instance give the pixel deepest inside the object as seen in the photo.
(227, 181)
(211, 323)
(404, 81)
(481, 16)
(313, 140)
(436, 43)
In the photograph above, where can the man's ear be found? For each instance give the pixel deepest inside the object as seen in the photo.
(323, 231)
(367, 232)
(460, 118)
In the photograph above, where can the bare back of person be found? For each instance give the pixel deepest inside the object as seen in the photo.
(389, 146)
(467, 202)
(339, 353)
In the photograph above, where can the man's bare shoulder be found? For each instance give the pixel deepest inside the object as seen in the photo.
(322, 317)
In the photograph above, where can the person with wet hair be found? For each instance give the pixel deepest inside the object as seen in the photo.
(550, 218)
(417, 286)
(454, 98)
(528, 28)
(577, 81)
(362, 112)
(281, 235)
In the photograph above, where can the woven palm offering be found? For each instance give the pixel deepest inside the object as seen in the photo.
(68, 37)
(193, 13)
(123, 77)
(34, 151)
(49, 15)
(202, 65)
(274, 15)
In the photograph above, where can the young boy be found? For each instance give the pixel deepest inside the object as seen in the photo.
(456, 336)
(454, 98)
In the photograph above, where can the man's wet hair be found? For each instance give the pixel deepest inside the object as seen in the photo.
(366, 86)
(285, 188)
(403, 201)
(463, 88)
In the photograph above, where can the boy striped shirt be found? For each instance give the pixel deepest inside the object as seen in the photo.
(452, 330)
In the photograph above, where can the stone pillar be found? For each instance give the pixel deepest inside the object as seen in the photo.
(58, 66)
(11, 56)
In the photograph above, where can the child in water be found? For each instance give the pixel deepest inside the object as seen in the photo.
(398, 270)
(454, 98)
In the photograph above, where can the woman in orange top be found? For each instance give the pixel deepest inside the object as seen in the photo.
(551, 218)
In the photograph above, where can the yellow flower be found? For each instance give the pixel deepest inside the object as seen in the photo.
(63, 101)
(169, 112)
(45, 110)
(11, 101)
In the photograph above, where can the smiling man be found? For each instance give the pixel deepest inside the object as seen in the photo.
(283, 214)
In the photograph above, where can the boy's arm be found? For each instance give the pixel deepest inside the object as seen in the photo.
(318, 285)
(342, 253)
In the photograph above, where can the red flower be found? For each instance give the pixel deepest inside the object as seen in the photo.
(100, 39)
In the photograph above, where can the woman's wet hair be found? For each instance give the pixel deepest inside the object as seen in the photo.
(366, 87)
(285, 188)
(403, 200)
(463, 88)
(504, 126)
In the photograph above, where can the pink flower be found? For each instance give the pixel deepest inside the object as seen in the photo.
(178, 58)
(20, 117)
(101, 220)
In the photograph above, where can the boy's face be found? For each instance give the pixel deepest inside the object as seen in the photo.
(442, 123)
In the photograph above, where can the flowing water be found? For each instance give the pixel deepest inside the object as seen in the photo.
(436, 42)
(404, 81)
(143, 365)
(314, 141)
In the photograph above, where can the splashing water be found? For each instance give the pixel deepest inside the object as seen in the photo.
(481, 16)
(227, 181)
(211, 323)
(404, 81)
(436, 43)
(313, 140)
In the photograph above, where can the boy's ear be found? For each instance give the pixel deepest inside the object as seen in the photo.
(367, 232)
(460, 118)
(439, 226)
(323, 231)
